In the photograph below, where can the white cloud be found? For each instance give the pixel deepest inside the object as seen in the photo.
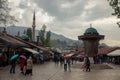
(68, 17)
(69, 4)
(91, 4)
(46, 18)
(14, 2)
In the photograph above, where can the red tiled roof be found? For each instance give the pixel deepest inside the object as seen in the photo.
(100, 50)
(106, 50)
(78, 51)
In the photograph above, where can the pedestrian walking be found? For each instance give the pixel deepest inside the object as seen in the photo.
(69, 64)
(29, 66)
(13, 60)
(87, 62)
(42, 58)
(65, 64)
(61, 60)
(84, 66)
(22, 64)
(72, 58)
(56, 59)
(13, 66)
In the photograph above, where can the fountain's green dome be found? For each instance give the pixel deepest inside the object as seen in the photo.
(91, 31)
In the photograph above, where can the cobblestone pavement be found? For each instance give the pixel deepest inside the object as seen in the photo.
(50, 71)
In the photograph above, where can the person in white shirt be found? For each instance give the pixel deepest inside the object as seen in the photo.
(65, 64)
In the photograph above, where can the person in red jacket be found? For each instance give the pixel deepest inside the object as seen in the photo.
(22, 64)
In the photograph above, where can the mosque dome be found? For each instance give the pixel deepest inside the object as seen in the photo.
(91, 31)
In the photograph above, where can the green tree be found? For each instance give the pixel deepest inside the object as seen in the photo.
(42, 35)
(18, 34)
(45, 41)
(5, 17)
(24, 32)
(29, 33)
(115, 4)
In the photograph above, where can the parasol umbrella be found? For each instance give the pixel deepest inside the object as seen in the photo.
(67, 56)
(14, 57)
(22, 56)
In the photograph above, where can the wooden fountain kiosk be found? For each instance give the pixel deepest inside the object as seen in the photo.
(91, 40)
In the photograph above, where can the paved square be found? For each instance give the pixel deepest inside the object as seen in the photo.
(49, 71)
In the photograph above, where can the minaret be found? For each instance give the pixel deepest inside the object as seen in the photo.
(33, 27)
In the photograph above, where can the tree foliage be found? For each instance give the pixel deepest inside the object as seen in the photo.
(44, 37)
(115, 4)
(24, 32)
(5, 17)
(47, 41)
(29, 33)
(18, 34)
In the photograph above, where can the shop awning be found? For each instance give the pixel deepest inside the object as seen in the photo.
(114, 53)
(31, 50)
(8, 40)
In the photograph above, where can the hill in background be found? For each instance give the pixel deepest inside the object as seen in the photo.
(56, 39)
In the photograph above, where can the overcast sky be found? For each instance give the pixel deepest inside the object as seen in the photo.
(69, 17)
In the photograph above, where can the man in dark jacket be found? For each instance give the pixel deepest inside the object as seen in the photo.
(87, 61)
(13, 65)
